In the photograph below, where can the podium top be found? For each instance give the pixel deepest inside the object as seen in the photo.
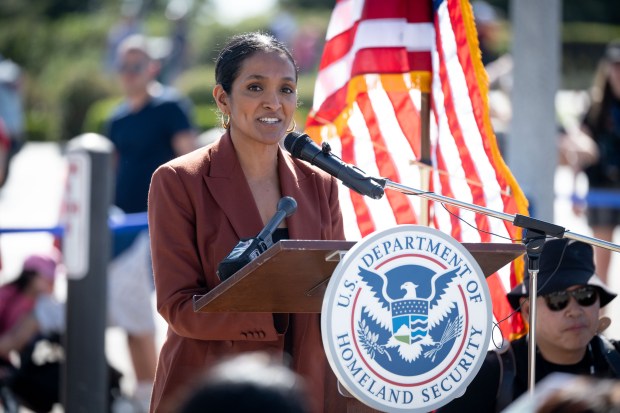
(292, 276)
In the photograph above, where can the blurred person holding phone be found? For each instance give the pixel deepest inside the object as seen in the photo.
(602, 124)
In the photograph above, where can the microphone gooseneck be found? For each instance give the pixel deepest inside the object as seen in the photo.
(249, 249)
(286, 207)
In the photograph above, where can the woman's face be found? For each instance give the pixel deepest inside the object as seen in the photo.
(262, 100)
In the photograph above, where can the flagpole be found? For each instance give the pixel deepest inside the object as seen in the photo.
(425, 154)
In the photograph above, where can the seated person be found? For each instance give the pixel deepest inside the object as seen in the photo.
(30, 320)
(36, 322)
(569, 298)
(18, 297)
(251, 382)
(567, 393)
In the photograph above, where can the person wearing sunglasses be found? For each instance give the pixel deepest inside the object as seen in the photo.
(568, 340)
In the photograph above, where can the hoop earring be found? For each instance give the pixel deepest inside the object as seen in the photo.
(226, 121)
(293, 127)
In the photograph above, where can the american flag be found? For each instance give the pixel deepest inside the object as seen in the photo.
(380, 58)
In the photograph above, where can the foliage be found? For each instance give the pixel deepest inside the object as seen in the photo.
(84, 88)
(309, 4)
(197, 84)
(51, 8)
(601, 11)
(61, 44)
(593, 33)
(206, 117)
(61, 62)
(305, 90)
(208, 38)
(591, 11)
(98, 113)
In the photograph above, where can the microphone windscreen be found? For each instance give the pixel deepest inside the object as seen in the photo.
(294, 143)
(288, 205)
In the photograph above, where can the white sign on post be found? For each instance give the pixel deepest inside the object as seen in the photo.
(77, 215)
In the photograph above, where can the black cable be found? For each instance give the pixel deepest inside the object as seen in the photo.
(496, 325)
(478, 229)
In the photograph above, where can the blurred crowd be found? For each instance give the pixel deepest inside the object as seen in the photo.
(153, 124)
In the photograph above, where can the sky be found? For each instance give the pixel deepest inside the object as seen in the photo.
(233, 11)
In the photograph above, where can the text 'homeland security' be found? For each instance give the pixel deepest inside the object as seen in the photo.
(377, 389)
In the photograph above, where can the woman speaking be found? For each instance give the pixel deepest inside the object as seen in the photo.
(201, 204)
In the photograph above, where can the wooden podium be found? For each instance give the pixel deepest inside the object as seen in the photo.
(292, 276)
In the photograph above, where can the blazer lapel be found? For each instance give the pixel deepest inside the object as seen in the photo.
(227, 184)
(305, 222)
(229, 188)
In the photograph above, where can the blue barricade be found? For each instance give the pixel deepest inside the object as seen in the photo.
(119, 224)
(605, 198)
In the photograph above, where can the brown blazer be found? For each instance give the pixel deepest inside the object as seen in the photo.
(200, 205)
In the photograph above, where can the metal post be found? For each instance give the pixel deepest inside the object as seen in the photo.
(531, 350)
(534, 242)
(86, 245)
(532, 143)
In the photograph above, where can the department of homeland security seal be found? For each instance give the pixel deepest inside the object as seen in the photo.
(406, 319)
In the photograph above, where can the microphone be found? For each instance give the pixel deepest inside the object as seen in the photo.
(286, 207)
(249, 249)
(301, 146)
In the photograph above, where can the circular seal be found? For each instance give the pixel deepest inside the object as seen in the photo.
(406, 319)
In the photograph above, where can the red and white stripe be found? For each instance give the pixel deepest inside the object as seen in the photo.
(367, 107)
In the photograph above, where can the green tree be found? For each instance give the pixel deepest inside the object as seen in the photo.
(309, 4)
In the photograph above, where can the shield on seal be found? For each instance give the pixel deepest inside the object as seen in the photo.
(410, 320)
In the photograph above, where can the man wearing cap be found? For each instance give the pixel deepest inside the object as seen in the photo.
(570, 296)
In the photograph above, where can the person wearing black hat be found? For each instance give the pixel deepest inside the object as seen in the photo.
(568, 340)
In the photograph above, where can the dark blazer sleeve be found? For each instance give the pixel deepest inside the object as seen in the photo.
(178, 272)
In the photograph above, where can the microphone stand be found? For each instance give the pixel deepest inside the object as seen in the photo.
(536, 232)
(534, 238)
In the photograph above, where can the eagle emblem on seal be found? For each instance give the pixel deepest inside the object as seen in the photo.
(414, 314)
